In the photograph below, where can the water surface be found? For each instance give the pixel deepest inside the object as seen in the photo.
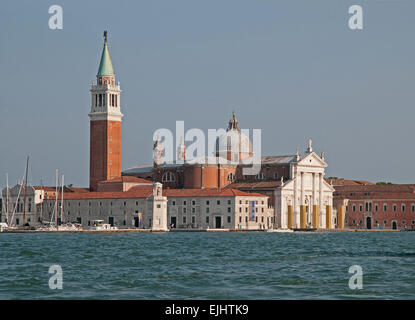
(208, 265)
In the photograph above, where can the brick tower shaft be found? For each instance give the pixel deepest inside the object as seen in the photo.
(105, 124)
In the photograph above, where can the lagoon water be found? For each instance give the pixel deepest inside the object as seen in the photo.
(252, 265)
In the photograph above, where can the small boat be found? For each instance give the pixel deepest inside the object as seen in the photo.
(280, 230)
(99, 225)
(69, 226)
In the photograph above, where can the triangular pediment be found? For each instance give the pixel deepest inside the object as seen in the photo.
(312, 160)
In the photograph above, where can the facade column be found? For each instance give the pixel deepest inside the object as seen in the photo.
(340, 217)
(295, 221)
(290, 217)
(316, 216)
(303, 217)
(302, 188)
(314, 188)
(328, 217)
(320, 194)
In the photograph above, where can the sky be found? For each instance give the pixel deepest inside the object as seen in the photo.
(293, 69)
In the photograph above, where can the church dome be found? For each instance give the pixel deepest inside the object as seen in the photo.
(233, 144)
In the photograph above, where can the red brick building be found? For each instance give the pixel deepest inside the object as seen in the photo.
(370, 206)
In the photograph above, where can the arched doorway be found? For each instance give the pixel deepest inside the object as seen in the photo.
(394, 226)
(368, 223)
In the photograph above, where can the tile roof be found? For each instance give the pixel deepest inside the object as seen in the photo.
(376, 188)
(144, 192)
(126, 179)
(255, 184)
(345, 182)
(393, 191)
(208, 193)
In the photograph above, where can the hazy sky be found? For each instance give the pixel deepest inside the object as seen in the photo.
(292, 68)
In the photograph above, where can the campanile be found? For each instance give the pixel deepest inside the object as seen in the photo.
(105, 123)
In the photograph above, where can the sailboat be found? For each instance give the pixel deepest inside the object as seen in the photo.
(56, 226)
(24, 179)
(3, 225)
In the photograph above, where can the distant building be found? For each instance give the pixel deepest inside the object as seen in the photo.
(289, 191)
(370, 206)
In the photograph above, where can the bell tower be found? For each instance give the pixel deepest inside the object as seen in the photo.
(105, 123)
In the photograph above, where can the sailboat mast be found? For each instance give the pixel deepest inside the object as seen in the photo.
(7, 197)
(56, 201)
(43, 199)
(24, 194)
(62, 198)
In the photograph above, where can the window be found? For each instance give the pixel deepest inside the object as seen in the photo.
(360, 208)
(403, 208)
(413, 208)
(158, 206)
(246, 219)
(260, 176)
(231, 176)
(218, 202)
(193, 210)
(240, 219)
(184, 210)
(207, 219)
(229, 219)
(385, 207)
(229, 210)
(168, 177)
(184, 202)
(207, 202)
(376, 208)
(193, 202)
(184, 219)
(229, 201)
(173, 202)
(394, 208)
(240, 209)
(207, 210)
(193, 219)
(276, 175)
(354, 208)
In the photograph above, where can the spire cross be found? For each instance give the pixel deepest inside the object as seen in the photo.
(105, 35)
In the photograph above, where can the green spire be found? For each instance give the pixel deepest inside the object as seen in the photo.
(105, 66)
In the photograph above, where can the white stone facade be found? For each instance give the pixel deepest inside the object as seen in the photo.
(306, 187)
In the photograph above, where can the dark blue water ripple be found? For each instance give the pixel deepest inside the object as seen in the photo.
(208, 265)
